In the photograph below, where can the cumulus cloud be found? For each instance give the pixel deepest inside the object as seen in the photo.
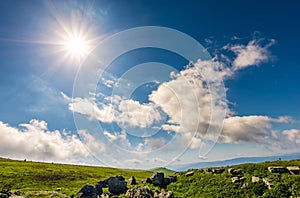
(122, 111)
(88, 107)
(292, 135)
(194, 99)
(119, 139)
(246, 128)
(251, 54)
(35, 141)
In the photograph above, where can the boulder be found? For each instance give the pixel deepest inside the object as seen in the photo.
(218, 170)
(104, 195)
(294, 170)
(207, 170)
(116, 185)
(237, 179)
(167, 181)
(131, 181)
(164, 194)
(4, 195)
(120, 177)
(255, 179)
(147, 180)
(269, 182)
(173, 179)
(190, 173)
(236, 172)
(277, 169)
(158, 179)
(139, 192)
(87, 191)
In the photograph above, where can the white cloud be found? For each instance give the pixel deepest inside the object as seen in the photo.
(119, 139)
(253, 128)
(135, 114)
(109, 83)
(124, 112)
(246, 128)
(36, 142)
(87, 106)
(292, 135)
(192, 98)
(251, 54)
(152, 144)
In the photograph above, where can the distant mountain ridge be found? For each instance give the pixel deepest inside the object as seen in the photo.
(234, 161)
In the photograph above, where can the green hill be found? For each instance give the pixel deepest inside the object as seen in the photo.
(206, 184)
(166, 171)
(37, 177)
(44, 179)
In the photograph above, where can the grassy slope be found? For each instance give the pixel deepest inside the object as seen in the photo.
(35, 176)
(219, 185)
(166, 171)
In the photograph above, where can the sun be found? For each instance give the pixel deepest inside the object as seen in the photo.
(76, 46)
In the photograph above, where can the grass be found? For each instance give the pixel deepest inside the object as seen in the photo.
(35, 179)
(166, 171)
(30, 178)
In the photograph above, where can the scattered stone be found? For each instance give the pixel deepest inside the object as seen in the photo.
(173, 179)
(131, 181)
(167, 181)
(105, 195)
(218, 170)
(190, 173)
(255, 179)
(207, 170)
(277, 169)
(139, 192)
(120, 177)
(158, 179)
(116, 185)
(236, 172)
(164, 194)
(294, 170)
(147, 180)
(244, 185)
(237, 179)
(269, 182)
(87, 191)
(4, 195)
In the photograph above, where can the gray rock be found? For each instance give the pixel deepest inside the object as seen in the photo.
(4, 195)
(167, 181)
(120, 177)
(147, 180)
(87, 191)
(237, 179)
(158, 179)
(294, 170)
(218, 170)
(255, 179)
(131, 181)
(173, 179)
(116, 185)
(164, 194)
(99, 187)
(190, 173)
(139, 192)
(236, 172)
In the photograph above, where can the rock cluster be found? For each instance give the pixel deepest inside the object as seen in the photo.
(158, 179)
(237, 175)
(117, 185)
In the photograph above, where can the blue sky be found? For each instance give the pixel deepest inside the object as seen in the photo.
(147, 108)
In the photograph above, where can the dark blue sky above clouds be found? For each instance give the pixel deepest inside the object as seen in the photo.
(257, 41)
